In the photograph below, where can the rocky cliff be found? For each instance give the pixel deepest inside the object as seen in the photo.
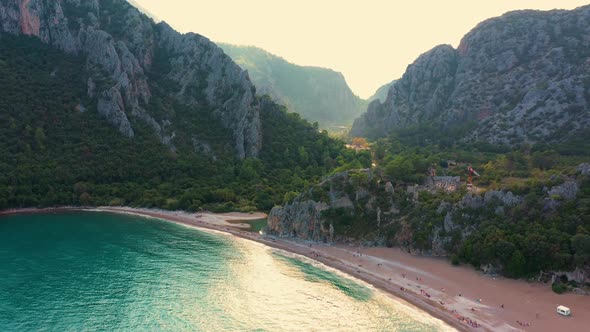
(523, 77)
(317, 94)
(120, 45)
(357, 206)
(519, 234)
(346, 205)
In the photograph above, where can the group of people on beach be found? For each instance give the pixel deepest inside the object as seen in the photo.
(314, 254)
(523, 324)
(423, 292)
(466, 320)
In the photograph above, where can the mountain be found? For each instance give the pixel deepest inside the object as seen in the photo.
(101, 106)
(121, 46)
(520, 78)
(318, 94)
(381, 93)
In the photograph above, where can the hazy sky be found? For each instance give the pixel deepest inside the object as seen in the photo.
(370, 41)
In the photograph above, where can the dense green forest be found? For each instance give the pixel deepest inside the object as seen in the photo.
(533, 236)
(56, 150)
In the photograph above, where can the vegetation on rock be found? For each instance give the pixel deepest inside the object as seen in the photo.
(56, 150)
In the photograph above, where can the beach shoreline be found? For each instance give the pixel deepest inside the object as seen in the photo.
(432, 285)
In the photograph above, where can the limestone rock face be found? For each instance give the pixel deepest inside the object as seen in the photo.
(110, 105)
(119, 44)
(227, 87)
(584, 169)
(505, 198)
(303, 217)
(425, 85)
(300, 219)
(567, 190)
(523, 77)
(580, 276)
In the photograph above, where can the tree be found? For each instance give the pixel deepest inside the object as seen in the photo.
(504, 251)
(40, 138)
(581, 248)
(400, 168)
(516, 266)
(85, 199)
(303, 155)
(289, 196)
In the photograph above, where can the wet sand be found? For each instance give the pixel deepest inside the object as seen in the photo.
(452, 291)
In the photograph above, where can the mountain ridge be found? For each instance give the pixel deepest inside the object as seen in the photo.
(105, 107)
(316, 93)
(120, 43)
(518, 78)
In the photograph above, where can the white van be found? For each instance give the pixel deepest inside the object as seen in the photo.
(565, 311)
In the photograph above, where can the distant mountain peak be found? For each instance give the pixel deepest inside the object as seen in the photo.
(317, 94)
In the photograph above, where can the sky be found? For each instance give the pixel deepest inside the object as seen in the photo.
(370, 41)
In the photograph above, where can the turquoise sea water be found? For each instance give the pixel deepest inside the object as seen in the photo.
(90, 271)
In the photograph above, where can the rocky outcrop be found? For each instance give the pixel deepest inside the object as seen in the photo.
(225, 85)
(119, 45)
(355, 197)
(580, 276)
(311, 215)
(505, 198)
(301, 219)
(567, 191)
(110, 105)
(583, 169)
(523, 77)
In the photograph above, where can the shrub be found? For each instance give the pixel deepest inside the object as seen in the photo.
(559, 288)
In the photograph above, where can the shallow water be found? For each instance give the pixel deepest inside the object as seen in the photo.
(100, 271)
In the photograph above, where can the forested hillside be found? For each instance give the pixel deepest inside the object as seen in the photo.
(55, 149)
(317, 94)
(513, 102)
(528, 212)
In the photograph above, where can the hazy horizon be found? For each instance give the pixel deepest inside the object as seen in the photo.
(370, 43)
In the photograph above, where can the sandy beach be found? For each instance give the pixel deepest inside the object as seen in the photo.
(456, 295)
